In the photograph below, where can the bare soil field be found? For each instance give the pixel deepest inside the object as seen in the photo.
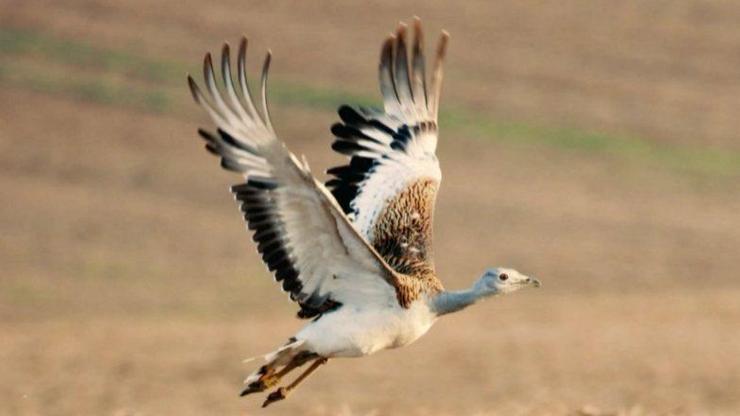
(591, 144)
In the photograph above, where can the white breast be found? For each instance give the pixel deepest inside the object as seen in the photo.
(354, 332)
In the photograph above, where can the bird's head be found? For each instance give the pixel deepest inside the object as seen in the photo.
(503, 280)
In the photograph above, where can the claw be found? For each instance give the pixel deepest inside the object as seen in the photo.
(262, 384)
(252, 388)
(255, 387)
(276, 396)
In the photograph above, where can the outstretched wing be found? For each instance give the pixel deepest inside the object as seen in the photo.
(302, 234)
(389, 187)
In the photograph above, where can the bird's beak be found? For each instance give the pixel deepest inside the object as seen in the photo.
(534, 282)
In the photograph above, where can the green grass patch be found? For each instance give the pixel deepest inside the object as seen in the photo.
(305, 96)
(97, 90)
(26, 42)
(158, 85)
(679, 158)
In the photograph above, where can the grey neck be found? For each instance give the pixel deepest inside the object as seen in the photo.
(448, 302)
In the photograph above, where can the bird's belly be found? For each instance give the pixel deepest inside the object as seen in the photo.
(355, 332)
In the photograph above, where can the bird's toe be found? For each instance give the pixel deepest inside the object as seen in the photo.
(275, 396)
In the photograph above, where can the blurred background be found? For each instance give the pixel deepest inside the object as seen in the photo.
(593, 144)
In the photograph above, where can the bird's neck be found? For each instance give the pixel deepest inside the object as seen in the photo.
(448, 302)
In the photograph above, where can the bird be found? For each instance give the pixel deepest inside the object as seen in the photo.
(355, 253)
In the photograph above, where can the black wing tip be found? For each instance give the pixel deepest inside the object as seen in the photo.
(336, 128)
(194, 90)
(207, 63)
(225, 55)
(349, 115)
(207, 136)
(266, 64)
(241, 56)
(386, 50)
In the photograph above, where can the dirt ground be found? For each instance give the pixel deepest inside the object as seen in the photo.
(129, 287)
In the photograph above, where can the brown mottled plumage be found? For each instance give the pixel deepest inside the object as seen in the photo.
(403, 237)
(390, 185)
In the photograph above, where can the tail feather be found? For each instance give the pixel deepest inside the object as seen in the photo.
(282, 355)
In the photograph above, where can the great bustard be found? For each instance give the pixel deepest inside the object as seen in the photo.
(355, 253)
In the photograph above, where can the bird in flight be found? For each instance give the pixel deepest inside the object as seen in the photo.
(354, 253)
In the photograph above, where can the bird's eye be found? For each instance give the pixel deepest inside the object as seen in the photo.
(503, 276)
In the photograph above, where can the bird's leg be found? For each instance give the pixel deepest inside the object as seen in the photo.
(272, 377)
(296, 362)
(282, 392)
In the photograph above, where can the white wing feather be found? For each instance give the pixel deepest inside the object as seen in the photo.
(302, 233)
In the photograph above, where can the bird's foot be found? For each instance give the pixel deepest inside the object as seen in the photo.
(252, 388)
(264, 383)
(277, 395)
(269, 381)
